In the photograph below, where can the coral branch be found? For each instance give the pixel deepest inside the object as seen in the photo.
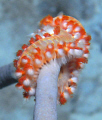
(6, 75)
(46, 92)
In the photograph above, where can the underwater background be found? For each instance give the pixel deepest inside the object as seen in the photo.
(19, 18)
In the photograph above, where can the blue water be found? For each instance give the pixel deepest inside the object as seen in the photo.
(20, 18)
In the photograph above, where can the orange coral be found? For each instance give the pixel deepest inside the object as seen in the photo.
(59, 37)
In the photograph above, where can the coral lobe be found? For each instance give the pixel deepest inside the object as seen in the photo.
(59, 37)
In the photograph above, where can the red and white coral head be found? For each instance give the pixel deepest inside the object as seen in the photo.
(62, 38)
